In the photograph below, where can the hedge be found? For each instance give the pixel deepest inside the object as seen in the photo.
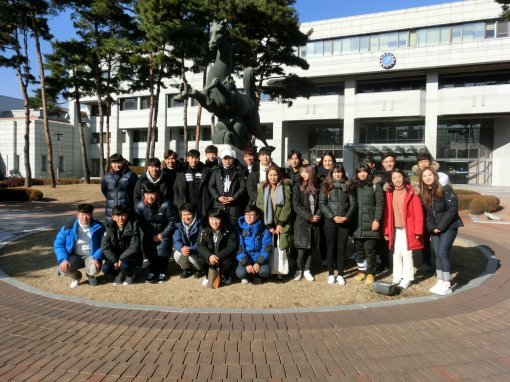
(20, 194)
(484, 203)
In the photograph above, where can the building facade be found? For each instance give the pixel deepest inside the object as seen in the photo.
(433, 78)
(65, 140)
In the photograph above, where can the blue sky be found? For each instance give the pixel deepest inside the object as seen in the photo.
(309, 10)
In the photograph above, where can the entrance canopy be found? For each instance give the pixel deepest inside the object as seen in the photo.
(402, 151)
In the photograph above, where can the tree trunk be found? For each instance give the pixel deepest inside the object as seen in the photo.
(84, 161)
(148, 153)
(108, 107)
(46, 123)
(199, 113)
(185, 109)
(101, 129)
(155, 117)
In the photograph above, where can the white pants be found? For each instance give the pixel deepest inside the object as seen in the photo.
(402, 257)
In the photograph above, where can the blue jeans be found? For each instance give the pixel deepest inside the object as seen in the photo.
(442, 244)
(126, 266)
(264, 271)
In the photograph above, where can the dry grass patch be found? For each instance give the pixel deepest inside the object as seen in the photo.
(31, 261)
(73, 193)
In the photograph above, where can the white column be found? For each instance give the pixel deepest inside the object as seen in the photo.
(349, 123)
(431, 99)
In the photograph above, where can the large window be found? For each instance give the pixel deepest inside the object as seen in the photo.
(390, 85)
(140, 135)
(173, 103)
(44, 163)
(412, 131)
(474, 79)
(145, 102)
(323, 138)
(94, 137)
(128, 104)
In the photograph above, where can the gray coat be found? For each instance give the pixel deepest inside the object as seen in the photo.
(305, 233)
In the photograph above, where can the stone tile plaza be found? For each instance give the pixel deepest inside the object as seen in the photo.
(433, 78)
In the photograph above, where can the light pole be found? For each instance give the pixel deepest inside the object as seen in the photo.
(58, 162)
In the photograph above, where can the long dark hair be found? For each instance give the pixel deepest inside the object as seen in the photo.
(435, 191)
(362, 167)
(310, 186)
(328, 183)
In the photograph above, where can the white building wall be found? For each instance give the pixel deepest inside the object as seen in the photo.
(501, 153)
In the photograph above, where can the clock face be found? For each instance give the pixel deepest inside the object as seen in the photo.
(388, 60)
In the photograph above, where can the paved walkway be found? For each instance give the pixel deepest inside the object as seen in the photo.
(465, 336)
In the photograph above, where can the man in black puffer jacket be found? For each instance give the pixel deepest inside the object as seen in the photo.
(121, 246)
(156, 176)
(118, 186)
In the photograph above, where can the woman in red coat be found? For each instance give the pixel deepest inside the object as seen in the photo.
(403, 226)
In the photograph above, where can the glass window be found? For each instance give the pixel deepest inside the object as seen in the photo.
(318, 47)
(412, 39)
(490, 29)
(374, 42)
(445, 35)
(337, 46)
(173, 103)
(388, 41)
(350, 45)
(206, 133)
(502, 29)
(456, 33)
(127, 104)
(145, 102)
(422, 37)
(479, 31)
(44, 163)
(61, 162)
(328, 47)
(310, 51)
(468, 32)
(363, 43)
(433, 36)
(302, 51)
(403, 39)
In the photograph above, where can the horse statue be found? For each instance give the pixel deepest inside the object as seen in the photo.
(237, 113)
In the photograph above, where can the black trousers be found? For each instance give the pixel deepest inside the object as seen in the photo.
(336, 236)
(365, 251)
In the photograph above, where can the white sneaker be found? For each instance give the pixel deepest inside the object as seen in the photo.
(297, 275)
(74, 283)
(340, 280)
(308, 276)
(204, 282)
(404, 284)
(331, 280)
(396, 281)
(444, 290)
(436, 286)
(244, 281)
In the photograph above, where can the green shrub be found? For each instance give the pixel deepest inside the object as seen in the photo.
(20, 194)
(484, 203)
(20, 182)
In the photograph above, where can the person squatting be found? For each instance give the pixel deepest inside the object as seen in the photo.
(255, 221)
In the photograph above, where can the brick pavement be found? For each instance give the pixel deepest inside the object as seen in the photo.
(465, 336)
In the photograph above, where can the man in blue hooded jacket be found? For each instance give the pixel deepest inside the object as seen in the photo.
(255, 246)
(78, 245)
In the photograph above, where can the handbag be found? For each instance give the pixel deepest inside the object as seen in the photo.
(279, 260)
(213, 277)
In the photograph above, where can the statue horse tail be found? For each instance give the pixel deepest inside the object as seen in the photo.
(249, 82)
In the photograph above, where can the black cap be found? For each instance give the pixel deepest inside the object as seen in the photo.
(193, 153)
(154, 162)
(211, 149)
(116, 158)
(86, 208)
(120, 210)
(150, 188)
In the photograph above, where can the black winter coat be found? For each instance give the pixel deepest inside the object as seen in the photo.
(337, 203)
(118, 189)
(170, 181)
(226, 246)
(237, 191)
(156, 219)
(370, 201)
(305, 233)
(183, 192)
(443, 213)
(321, 173)
(164, 191)
(122, 245)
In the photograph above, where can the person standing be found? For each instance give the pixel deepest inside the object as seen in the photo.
(258, 175)
(170, 170)
(370, 201)
(227, 187)
(403, 226)
(155, 176)
(295, 161)
(118, 186)
(191, 184)
(305, 201)
(443, 221)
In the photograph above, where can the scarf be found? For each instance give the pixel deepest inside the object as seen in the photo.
(149, 177)
(262, 173)
(187, 228)
(279, 199)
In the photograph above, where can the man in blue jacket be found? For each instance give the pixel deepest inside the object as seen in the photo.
(185, 242)
(255, 246)
(78, 245)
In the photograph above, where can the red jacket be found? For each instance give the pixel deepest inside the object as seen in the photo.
(413, 215)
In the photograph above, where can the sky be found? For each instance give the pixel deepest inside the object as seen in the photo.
(308, 10)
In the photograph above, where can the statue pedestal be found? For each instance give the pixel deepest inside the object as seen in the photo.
(238, 154)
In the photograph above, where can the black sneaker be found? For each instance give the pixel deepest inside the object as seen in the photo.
(129, 280)
(199, 274)
(257, 280)
(186, 273)
(118, 279)
(151, 278)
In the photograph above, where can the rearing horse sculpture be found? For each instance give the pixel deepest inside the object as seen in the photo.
(238, 115)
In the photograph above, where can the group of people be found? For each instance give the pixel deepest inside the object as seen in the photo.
(249, 219)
